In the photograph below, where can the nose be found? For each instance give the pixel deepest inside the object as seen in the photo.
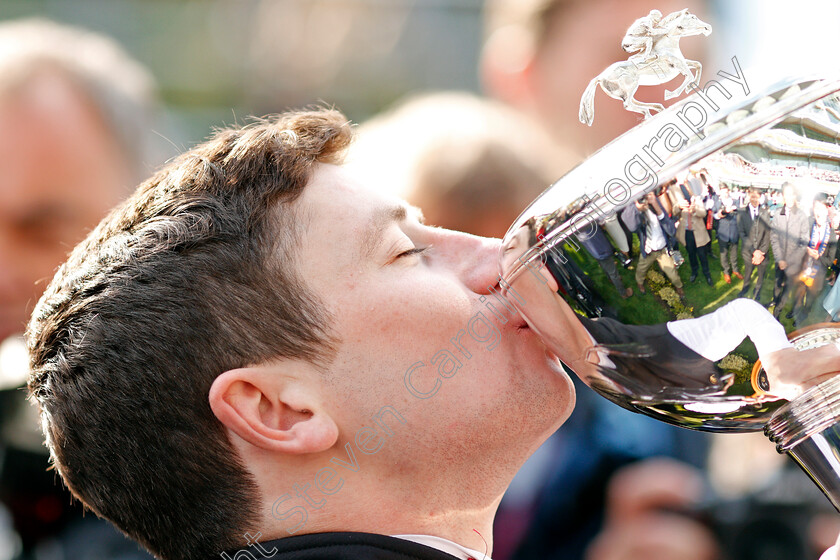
(474, 259)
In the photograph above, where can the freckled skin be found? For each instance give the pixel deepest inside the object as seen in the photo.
(392, 311)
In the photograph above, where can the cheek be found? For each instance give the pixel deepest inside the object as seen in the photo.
(385, 332)
(400, 321)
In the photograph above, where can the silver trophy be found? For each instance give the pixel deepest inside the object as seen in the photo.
(688, 270)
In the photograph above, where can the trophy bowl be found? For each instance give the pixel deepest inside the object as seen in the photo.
(687, 270)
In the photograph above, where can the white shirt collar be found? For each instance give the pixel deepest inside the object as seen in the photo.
(445, 545)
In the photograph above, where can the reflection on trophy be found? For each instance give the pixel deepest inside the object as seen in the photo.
(757, 352)
(654, 43)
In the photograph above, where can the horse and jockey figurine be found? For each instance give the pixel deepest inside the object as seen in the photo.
(654, 44)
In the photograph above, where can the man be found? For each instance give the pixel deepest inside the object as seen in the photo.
(788, 238)
(255, 346)
(76, 118)
(647, 218)
(754, 231)
(74, 111)
(602, 251)
(819, 254)
(726, 213)
(472, 165)
(692, 234)
(538, 56)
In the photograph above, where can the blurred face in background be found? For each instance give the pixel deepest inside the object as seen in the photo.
(789, 195)
(820, 213)
(60, 172)
(582, 38)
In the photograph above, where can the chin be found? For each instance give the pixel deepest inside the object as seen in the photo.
(548, 391)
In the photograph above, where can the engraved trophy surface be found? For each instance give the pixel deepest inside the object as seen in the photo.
(654, 44)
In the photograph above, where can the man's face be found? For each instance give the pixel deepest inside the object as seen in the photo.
(59, 174)
(724, 192)
(789, 196)
(755, 198)
(820, 213)
(417, 334)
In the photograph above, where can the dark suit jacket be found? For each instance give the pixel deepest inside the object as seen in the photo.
(669, 362)
(727, 228)
(339, 546)
(755, 234)
(827, 256)
(597, 244)
(789, 232)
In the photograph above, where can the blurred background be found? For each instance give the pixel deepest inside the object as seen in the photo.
(215, 62)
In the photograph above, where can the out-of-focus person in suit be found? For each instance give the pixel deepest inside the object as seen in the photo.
(789, 227)
(692, 234)
(819, 255)
(726, 213)
(754, 232)
(76, 134)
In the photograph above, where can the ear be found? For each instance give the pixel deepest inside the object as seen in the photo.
(274, 407)
(507, 62)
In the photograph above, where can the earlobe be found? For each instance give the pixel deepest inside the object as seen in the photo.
(272, 411)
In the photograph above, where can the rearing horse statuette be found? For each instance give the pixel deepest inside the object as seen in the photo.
(654, 42)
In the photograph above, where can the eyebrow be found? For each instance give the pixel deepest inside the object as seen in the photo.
(381, 219)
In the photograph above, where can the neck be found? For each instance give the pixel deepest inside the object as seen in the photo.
(415, 513)
(458, 508)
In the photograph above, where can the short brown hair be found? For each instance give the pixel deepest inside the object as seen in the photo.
(193, 276)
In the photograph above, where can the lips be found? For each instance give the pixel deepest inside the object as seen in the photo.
(518, 323)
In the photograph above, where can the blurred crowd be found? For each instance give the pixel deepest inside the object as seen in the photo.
(770, 225)
(78, 122)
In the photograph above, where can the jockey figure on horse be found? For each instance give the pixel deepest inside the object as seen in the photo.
(641, 36)
(655, 41)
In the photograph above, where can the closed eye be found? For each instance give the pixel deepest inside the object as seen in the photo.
(413, 251)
